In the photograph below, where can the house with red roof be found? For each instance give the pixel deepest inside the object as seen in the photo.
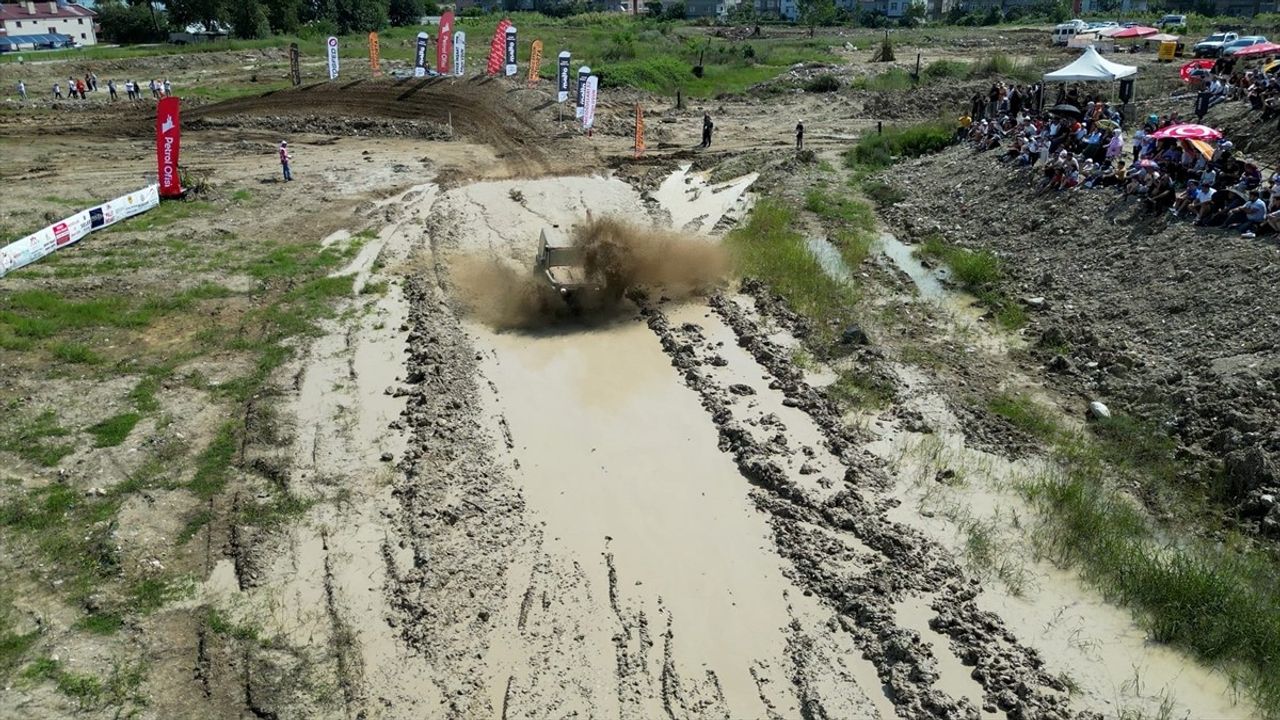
(44, 24)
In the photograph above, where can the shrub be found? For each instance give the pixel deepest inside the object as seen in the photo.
(822, 84)
(946, 69)
(657, 74)
(880, 149)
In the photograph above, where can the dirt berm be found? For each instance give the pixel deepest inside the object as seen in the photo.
(1159, 319)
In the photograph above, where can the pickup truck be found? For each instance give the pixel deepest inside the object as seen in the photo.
(561, 265)
(1212, 45)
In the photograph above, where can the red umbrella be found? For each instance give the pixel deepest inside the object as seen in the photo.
(1194, 65)
(1265, 48)
(1187, 131)
(1135, 32)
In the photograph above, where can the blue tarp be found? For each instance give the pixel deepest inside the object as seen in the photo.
(49, 40)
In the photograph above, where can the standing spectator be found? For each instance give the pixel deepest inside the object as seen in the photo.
(111, 88)
(155, 92)
(22, 90)
(93, 81)
(137, 90)
(1139, 137)
(800, 136)
(285, 157)
(168, 87)
(80, 89)
(57, 91)
(707, 127)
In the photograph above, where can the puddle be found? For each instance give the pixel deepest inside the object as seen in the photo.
(828, 256)
(928, 281)
(695, 204)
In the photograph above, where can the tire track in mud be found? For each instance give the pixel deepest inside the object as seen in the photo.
(810, 530)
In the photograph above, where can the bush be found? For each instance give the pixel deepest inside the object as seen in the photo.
(659, 74)
(891, 79)
(822, 84)
(880, 149)
(946, 69)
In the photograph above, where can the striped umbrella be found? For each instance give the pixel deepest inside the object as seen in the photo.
(1187, 131)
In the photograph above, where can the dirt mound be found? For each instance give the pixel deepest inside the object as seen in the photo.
(1164, 321)
(1245, 127)
(617, 255)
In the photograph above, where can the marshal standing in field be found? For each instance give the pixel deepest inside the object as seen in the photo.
(285, 157)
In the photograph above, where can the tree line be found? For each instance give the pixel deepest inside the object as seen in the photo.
(136, 21)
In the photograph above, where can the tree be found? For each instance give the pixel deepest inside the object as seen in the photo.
(249, 19)
(207, 13)
(915, 14)
(285, 16)
(360, 15)
(406, 12)
(816, 12)
(124, 23)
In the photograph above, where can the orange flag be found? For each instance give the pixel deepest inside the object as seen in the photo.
(639, 130)
(535, 60)
(375, 59)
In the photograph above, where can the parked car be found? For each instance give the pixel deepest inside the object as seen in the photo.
(1234, 46)
(1212, 45)
(1172, 21)
(1063, 33)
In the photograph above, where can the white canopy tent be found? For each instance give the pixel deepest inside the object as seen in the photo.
(1091, 67)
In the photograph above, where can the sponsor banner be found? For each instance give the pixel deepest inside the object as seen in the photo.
(375, 54)
(583, 73)
(535, 61)
(589, 91)
(420, 57)
(498, 48)
(1168, 49)
(295, 64)
(460, 53)
(510, 53)
(562, 76)
(333, 58)
(168, 145)
(31, 248)
(443, 50)
(639, 130)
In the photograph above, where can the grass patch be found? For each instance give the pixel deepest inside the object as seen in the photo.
(113, 431)
(213, 466)
(893, 79)
(882, 193)
(858, 388)
(879, 150)
(939, 69)
(76, 354)
(1001, 65)
(33, 437)
(1025, 414)
(13, 645)
(973, 270)
(841, 208)
(101, 623)
(823, 83)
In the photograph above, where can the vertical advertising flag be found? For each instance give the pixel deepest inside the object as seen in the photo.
(460, 53)
(562, 77)
(497, 48)
(168, 143)
(375, 54)
(511, 51)
(420, 59)
(443, 51)
(333, 57)
(639, 130)
(295, 64)
(535, 61)
(583, 73)
(589, 91)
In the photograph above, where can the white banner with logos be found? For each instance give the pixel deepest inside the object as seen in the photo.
(31, 248)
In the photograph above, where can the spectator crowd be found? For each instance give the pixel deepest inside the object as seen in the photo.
(78, 88)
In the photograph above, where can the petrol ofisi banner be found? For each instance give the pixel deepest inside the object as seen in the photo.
(375, 54)
(31, 248)
(639, 130)
(497, 48)
(295, 64)
(510, 51)
(535, 61)
(168, 144)
(332, 44)
(460, 53)
(420, 56)
(583, 73)
(443, 50)
(589, 91)
(562, 76)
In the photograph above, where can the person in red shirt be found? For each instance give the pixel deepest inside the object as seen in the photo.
(285, 157)
(80, 88)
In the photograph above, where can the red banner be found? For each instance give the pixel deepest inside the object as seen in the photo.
(168, 136)
(498, 49)
(444, 42)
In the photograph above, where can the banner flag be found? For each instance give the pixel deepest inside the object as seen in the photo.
(562, 77)
(420, 59)
(31, 248)
(589, 102)
(511, 50)
(295, 64)
(639, 130)
(333, 58)
(583, 73)
(375, 55)
(168, 144)
(497, 48)
(535, 61)
(460, 53)
(444, 52)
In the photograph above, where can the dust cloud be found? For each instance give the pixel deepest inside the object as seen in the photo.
(617, 255)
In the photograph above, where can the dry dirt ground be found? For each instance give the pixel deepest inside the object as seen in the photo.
(342, 494)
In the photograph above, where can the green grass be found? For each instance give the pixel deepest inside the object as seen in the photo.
(858, 388)
(1025, 414)
(121, 689)
(881, 193)
(893, 79)
(76, 354)
(13, 645)
(879, 150)
(113, 431)
(939, 69)
(214, 465)
(973, 270)
(34, 437)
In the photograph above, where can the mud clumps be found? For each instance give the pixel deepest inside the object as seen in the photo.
(617, 256)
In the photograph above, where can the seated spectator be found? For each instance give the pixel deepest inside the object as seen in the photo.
(1249, 216)
(1186, 199)
(1161, 195)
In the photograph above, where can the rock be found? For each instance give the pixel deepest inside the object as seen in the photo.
(1061, 364)
(1035, 303)
(386, 457)
(854, 335)
(1098, 411)
(741, 389)
(1247, 470)
(1271, 523)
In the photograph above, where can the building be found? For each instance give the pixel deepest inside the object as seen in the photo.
(49, 23)
(708, 8)
(785, 9)
(198, 33)
(888, 8)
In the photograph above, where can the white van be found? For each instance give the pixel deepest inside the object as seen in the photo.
(1063, 33)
